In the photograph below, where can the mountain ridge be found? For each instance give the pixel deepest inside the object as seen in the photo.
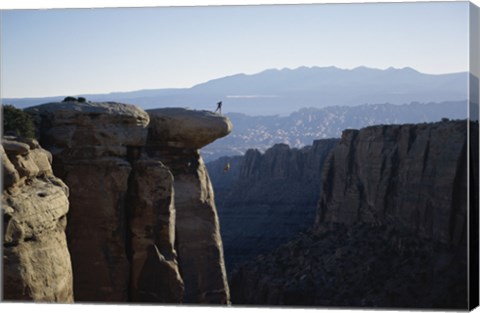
(282, 91)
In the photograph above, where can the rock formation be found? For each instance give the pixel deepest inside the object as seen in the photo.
(390, 229)
(175, 135)
(414, 174)
(155, 275)
(36, 260)
(90, 144)
(265, 200)
(143, 223)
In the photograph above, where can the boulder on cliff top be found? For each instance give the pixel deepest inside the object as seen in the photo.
(86, 126)
(186, 128)
(75, 107)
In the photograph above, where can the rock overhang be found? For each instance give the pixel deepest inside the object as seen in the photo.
(187, 128)
(173, 127)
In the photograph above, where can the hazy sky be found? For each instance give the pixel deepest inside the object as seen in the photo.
(79, 51)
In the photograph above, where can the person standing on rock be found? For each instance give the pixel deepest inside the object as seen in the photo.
(219, 107)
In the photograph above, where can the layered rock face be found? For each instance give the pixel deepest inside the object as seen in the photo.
(36, 260)
(390, 229)
(155, 275)
(132, 231)
(90, 144)
(175, 135)
(415, 175)
(280, 175)
(265, 200)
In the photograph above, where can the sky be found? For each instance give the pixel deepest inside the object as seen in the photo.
(84, 51)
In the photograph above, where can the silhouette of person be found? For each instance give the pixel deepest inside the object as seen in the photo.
(219, 107)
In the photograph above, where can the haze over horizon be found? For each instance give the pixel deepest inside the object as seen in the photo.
(286, 90)
(92, 51)
(236, 74)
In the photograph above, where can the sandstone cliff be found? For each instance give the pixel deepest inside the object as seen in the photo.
(127, 221)
(90, 144)
(151, 214)
(266, 199)
(390, 229)
(174, 137)
(415, 175)
(36, 260)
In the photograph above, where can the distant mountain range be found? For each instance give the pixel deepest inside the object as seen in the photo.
(284, 91)
(301, 127)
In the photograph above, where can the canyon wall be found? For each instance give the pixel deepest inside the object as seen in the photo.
(390, 229)
(174, 137)
(415, 175)
(266, 199)
(36, 260)
(131, 220)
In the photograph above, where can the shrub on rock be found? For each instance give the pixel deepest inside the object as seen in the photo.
(69, 99)
(17, 122)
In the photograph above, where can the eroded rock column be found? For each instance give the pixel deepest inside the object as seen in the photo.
(155, 276)
(175, 135)
(91, 145)
(36, 261)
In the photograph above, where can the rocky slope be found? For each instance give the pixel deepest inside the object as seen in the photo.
(390, 228)
(358, 266)
(266, 199)
(36, 260)
(131, 207)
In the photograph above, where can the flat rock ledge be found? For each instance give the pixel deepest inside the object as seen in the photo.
(187, 128)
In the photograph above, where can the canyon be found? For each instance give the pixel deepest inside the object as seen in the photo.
(266, 199)
(390, 228)
(115, 204)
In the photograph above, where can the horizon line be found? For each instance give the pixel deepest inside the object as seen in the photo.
(236, 74)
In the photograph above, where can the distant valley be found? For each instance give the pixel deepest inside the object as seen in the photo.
(306, 125)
